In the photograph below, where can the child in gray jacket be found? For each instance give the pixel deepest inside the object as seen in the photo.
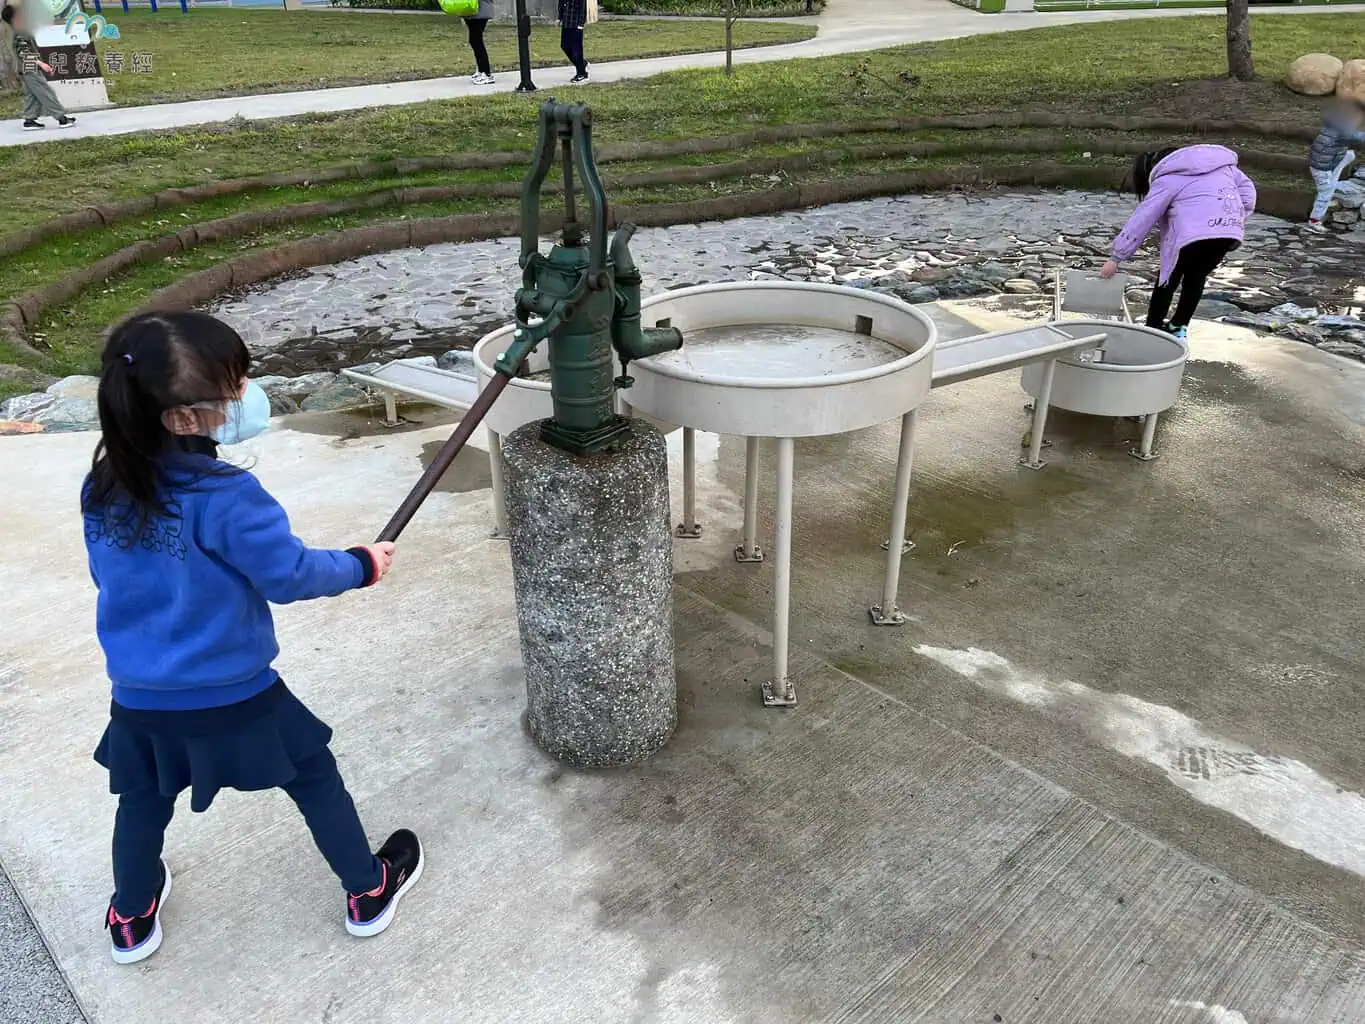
(1331, 154)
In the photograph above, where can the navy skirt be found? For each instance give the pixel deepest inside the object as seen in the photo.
(254, 744)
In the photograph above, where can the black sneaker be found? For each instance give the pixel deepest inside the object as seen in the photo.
(369, 913)
(65, 121)
(582, 76)
(137, 938)
(32, 124)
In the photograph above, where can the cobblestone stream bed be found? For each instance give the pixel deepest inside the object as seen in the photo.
(427, 302)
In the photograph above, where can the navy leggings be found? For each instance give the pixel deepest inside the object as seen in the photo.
(142, 818)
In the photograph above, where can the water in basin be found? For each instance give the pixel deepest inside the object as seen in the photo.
(776, 351)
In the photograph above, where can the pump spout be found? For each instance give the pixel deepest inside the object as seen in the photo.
(630, 340)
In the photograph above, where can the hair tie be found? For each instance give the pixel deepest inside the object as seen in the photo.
(127, 358)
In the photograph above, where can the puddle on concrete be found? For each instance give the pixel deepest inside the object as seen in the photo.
(469, 471)
(353, 424)
(1281, 797)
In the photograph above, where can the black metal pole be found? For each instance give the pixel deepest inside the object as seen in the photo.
(524, 47)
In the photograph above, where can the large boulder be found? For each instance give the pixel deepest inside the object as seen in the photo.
(1351, 81)
(1314, 74)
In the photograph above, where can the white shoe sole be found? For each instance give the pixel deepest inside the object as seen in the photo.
(33, 127)
(372, 928)
(153, 941)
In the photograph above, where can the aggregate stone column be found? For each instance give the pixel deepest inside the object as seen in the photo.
(592, 559)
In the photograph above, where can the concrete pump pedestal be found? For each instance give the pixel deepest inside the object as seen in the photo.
(592, 562)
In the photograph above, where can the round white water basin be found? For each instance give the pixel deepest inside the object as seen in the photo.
(1137, 372)
(777, 359)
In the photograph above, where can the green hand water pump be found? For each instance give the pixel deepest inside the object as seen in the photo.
(584, 297)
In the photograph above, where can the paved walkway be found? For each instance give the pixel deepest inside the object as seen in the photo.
(1105, 773)
(847, 26)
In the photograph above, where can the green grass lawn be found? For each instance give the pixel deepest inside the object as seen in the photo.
(1162, 66)
(222, 52)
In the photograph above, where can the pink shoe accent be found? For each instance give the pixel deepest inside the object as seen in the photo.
(117, 918)
(354, 902)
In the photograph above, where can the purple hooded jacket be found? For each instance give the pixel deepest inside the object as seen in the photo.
(1197, 193)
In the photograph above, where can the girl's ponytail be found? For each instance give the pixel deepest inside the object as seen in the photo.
(125, 467)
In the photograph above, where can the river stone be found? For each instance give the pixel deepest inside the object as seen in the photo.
(1344, 348)
(25, 407)
(79, 386)
(68, 414)
(340, 394)
(592, 563)
(1212, 309)
(1314, 74)
(1351, 81)
(1022, 286)
(295, 388)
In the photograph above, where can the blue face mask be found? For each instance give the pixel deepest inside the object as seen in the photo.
(247, 416)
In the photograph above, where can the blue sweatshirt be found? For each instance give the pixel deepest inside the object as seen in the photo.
(182, 612)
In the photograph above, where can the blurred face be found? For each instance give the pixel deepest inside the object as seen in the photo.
(201, 418)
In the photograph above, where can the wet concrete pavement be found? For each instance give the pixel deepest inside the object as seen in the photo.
(1109, 771)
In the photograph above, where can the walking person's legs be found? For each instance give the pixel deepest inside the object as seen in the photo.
(571, 42)
(39, 98)
(476, 27)
(1199, 260)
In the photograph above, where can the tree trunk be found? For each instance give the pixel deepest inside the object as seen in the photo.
(9, 67)
(729, 37)
(1240, 65)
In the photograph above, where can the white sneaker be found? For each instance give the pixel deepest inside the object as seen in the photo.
(1316, 226)
(482, 79)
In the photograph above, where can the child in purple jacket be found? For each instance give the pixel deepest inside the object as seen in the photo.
(1199, 201)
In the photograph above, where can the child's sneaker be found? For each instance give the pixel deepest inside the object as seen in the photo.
(369, 913)
(32, 124)
(1182, 333)
(1316, 226)
(137, 938)
(483, 79)
(579, 78)
(65, 121)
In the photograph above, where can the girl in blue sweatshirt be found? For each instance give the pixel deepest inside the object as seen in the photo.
(188, 553)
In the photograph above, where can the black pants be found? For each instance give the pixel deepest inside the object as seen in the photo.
(1197, 261)
(571, 42)
(476, 27)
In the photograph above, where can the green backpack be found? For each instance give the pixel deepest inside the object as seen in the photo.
(460, 8)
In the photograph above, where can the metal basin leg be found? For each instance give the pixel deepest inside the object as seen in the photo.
(749, 551)
(688, 528)
(500, 531)
(1040, 407)
(887, 613)
(779, 691)
(1145, 453)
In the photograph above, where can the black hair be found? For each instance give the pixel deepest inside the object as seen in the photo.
(7, 14)
(1143, 165)
(152, 363)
